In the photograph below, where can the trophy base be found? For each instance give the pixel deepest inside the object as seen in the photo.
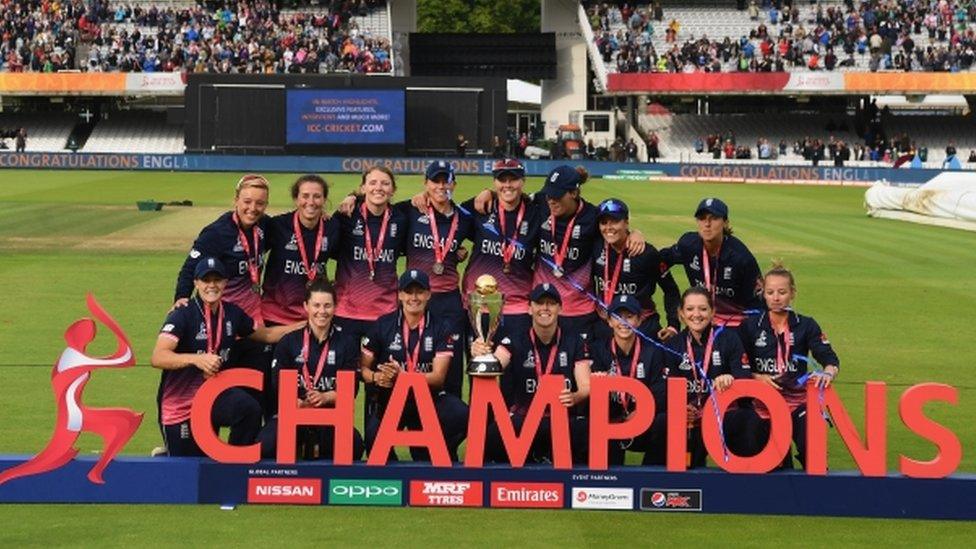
(485, 366)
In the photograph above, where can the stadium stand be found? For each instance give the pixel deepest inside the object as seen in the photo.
(135, 132)
(238, 36)
(45, 132)
(901, 35)
(787, 134)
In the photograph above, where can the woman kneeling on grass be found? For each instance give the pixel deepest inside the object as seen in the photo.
(193, 345)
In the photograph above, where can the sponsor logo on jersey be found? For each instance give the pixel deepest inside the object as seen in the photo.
(576, 231)
(431, 493)
(602, 498)
(727, 273)
(168, 327)
(667, 499)
(626, 267)
(393, 230)
(546, 495)
(428, 344)
(365, 492)
(306, 491)
(640, 370)
(716, 358)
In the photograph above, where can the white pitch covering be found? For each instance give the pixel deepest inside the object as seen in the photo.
(947, 200)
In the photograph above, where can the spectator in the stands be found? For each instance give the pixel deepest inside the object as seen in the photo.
(699, 144)
(461, 146)
(20, 139)
(631, 150)
(653, 147)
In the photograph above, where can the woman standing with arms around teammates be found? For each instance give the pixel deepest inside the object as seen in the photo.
(617, 272)
(319, 352)
(719, 262)
(435, 230)
(300, 242)
(778, 343)
(373, 237)
(236, 239)
(709, 358)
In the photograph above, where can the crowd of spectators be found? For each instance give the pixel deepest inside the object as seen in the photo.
(232, 36)
(40, 35)
(887, 32)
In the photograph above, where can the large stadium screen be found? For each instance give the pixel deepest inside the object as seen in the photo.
(344, 117)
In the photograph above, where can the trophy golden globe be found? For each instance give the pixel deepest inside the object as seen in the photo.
(485, 312)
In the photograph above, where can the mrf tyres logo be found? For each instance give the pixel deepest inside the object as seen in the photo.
(543, 495)
(667, 499)
(71, 373)
(446, 493)
(365, 492)
(284, 490)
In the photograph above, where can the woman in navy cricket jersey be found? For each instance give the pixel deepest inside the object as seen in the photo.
(300, 242)
(236, 239)
(709, 358)
(412, 339)
(778, 343)
(719, 262)
(618, 272)
(193, 345)
(545, 348)
(505, 239)
(373, 237)
(435, 248)
(624, 354)
(319, 352)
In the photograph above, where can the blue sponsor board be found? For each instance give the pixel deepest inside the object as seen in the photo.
(345, 117)
(471, 166)
(190, 480)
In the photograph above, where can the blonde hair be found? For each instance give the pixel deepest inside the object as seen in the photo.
(251, 181)
(779, 269)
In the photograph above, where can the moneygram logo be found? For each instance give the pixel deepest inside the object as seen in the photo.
(284, 490)
(603, 498)
(546, 495)
(365, 492)
(657, 499)
(443, 493)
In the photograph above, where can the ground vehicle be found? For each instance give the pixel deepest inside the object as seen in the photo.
(569, 142)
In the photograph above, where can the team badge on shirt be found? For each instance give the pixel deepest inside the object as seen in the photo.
(292, 244)
(202, 333)
(695, 264)
(358, 229)
(761, 340)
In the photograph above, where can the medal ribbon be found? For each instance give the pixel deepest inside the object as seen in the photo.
(560, 254)
(310, 267)
(213, 338)
(310, 382)
(610, 284)
(413, 355)
(510, 243)
(440, 251)
(251, 258)
(633, 366)
(706, 360)
(372, 255)
(554, 350)
(710, 284)
(783, 356)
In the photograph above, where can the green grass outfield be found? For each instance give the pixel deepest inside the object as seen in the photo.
(895, 298)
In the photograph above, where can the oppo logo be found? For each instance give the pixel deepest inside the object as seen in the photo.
(357, 491)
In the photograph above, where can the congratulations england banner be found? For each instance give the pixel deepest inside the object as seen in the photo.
(355, 164)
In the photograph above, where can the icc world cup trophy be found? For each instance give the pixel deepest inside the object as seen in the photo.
(485, 312)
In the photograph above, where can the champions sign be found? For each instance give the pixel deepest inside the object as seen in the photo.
(116, 425)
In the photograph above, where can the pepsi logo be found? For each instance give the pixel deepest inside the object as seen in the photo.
(658, 499)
